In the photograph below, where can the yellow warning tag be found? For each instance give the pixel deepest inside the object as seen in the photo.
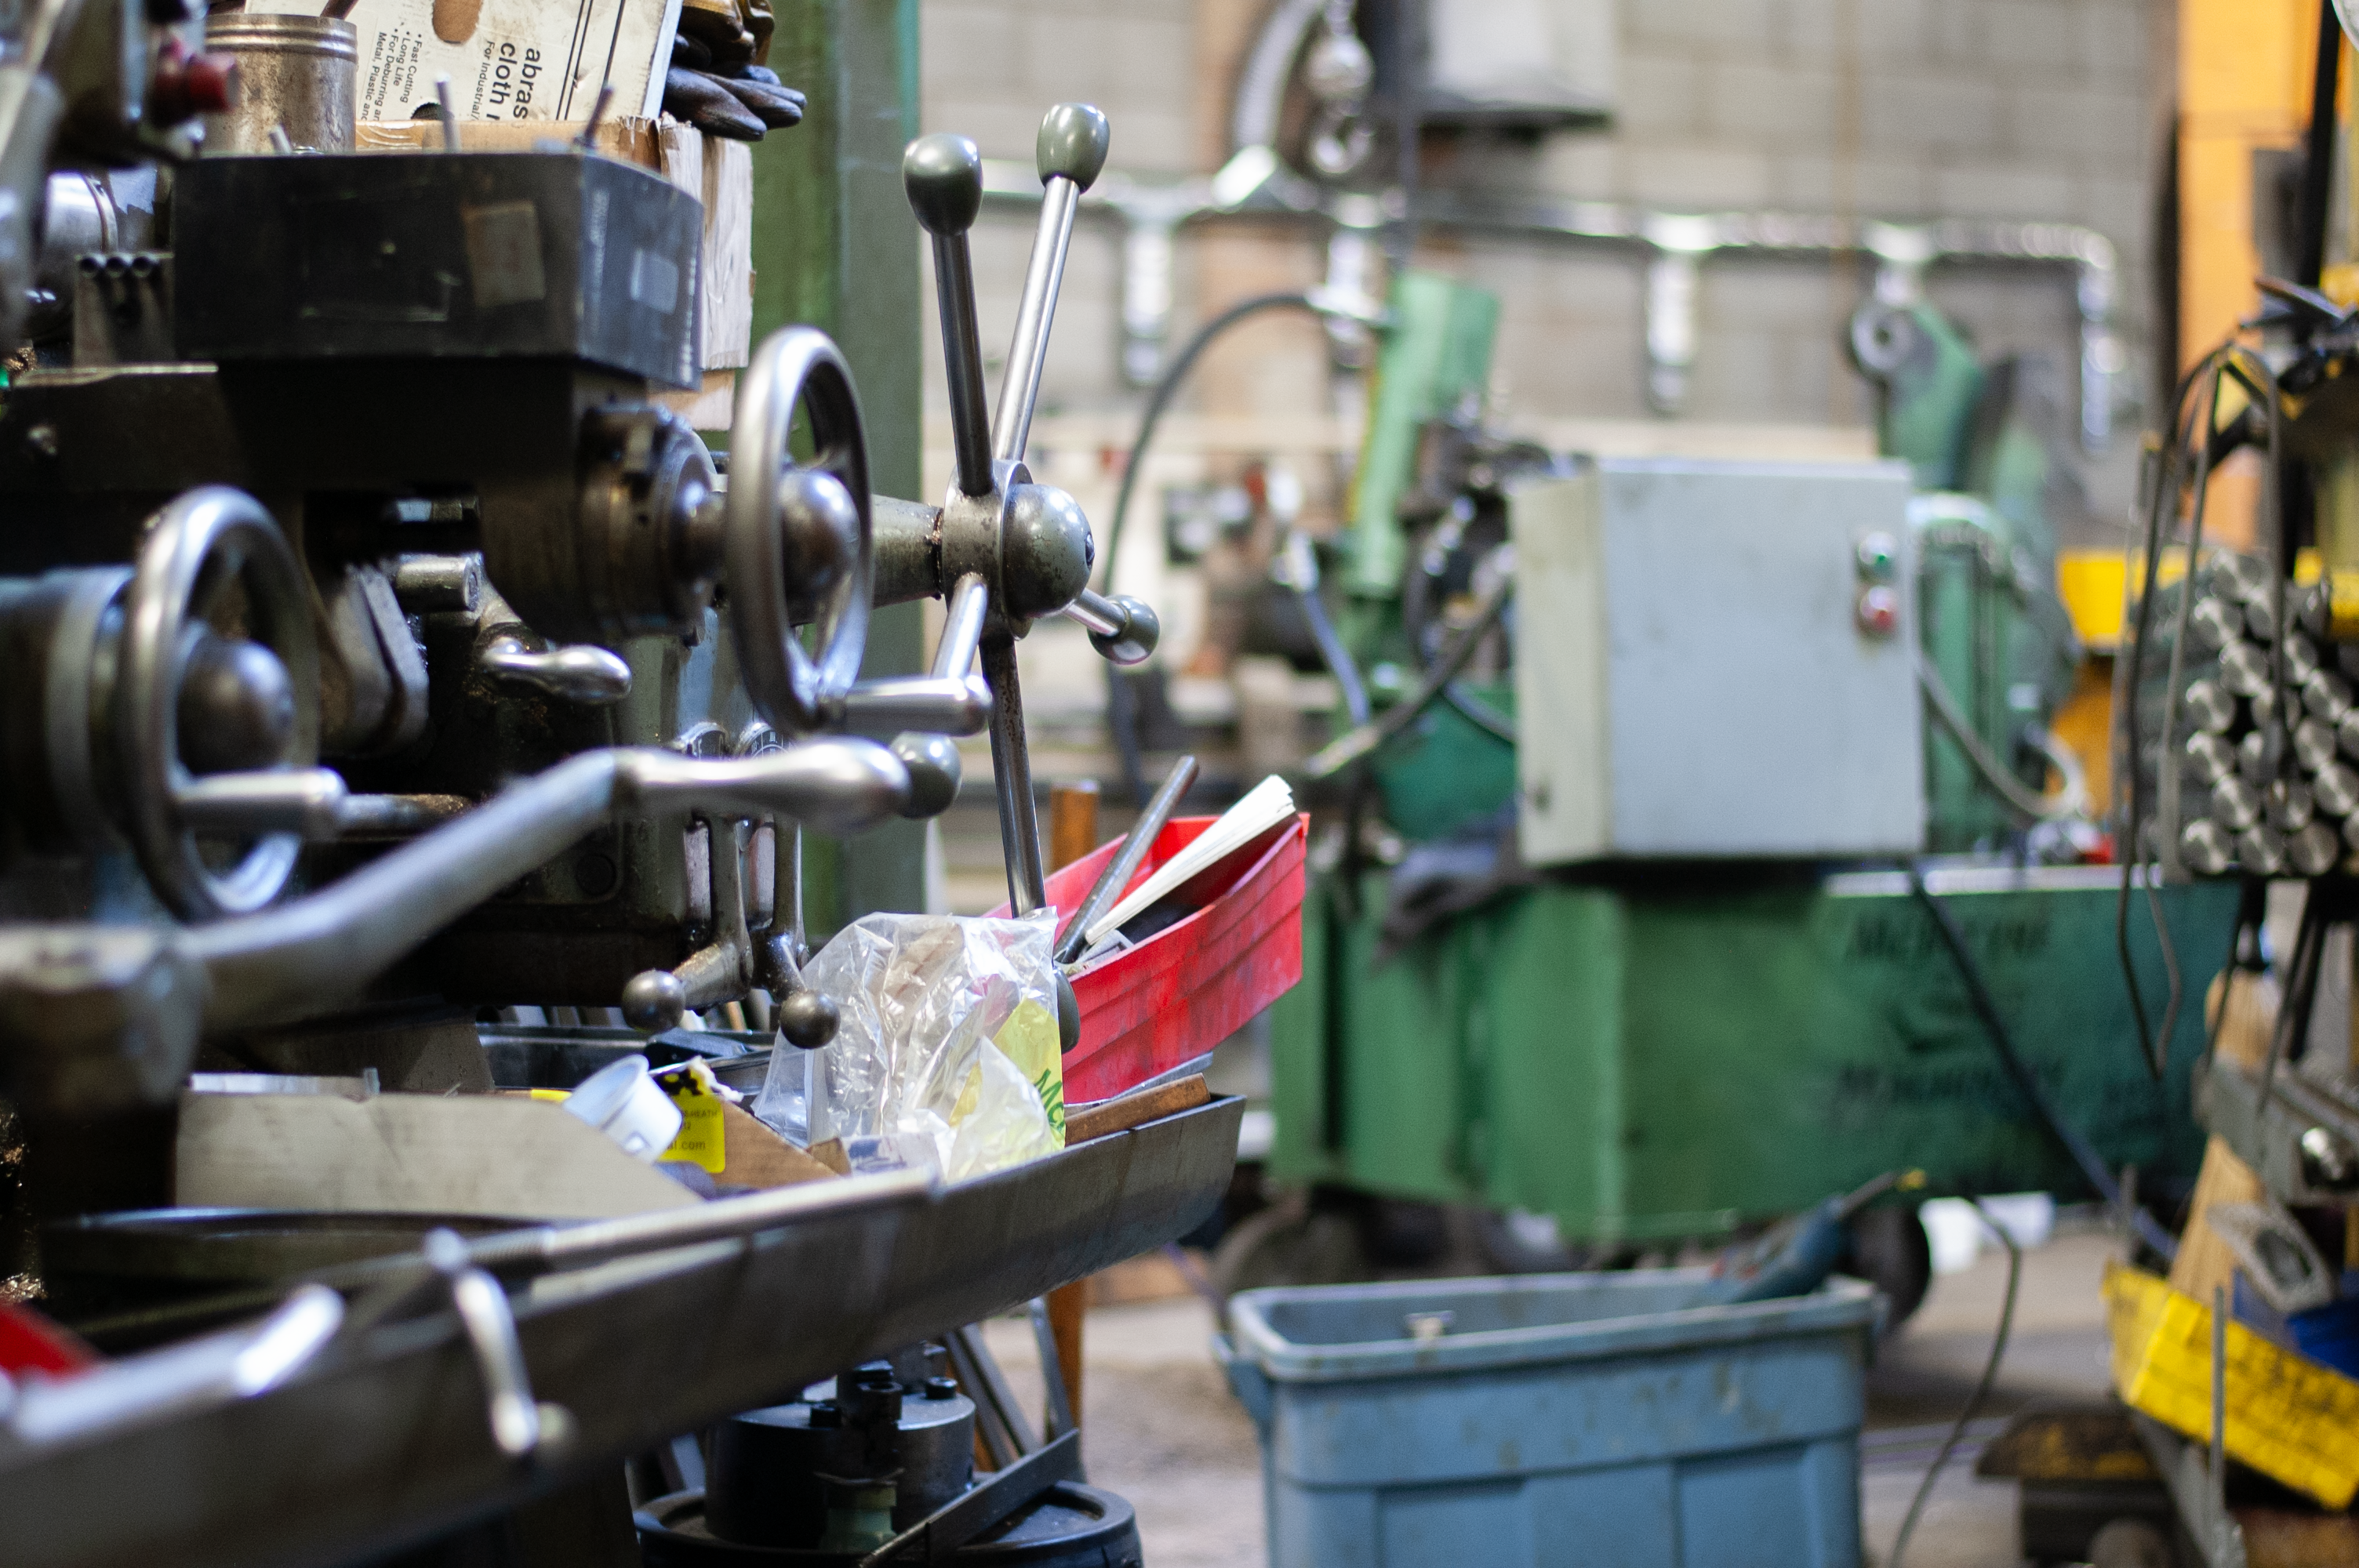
(701, 1137)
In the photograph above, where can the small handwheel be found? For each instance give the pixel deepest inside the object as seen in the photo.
(211, 552)
(799, 535)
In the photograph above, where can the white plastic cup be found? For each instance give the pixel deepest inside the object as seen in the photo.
(621, 1100)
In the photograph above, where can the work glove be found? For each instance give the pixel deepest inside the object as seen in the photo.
(738, 100)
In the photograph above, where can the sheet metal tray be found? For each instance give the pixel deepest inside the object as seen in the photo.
(384, 1443)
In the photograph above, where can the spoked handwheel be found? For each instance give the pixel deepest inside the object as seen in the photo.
(799, 532)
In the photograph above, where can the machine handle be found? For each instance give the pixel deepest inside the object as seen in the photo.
(970, 606)
(949, 705)
(591, 676)
(308, 802)
(943, 176)
(1123, 629)
(1072, 150)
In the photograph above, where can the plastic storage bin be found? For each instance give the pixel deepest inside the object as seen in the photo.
(1189, 987)
(1596, 1420)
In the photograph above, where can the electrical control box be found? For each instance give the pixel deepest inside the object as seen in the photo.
(1713, 660)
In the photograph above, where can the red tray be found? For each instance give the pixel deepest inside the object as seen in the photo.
(1187, 987)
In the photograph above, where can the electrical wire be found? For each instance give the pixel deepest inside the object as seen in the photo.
(2070, 1137)
(2071, 801)
(1160, 399)
(1122, 705)
(1982, 1388)
(2163, 494)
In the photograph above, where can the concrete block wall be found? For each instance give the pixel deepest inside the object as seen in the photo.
(1906, 109)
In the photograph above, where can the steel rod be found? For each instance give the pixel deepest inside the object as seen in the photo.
(1127, 862)
(1035, 314)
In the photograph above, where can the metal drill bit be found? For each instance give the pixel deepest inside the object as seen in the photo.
(2210, 758)
(2314, 744)
(2236, 804)
(2205, 848)
(2313, 851)
(2208, 708)
(2288, 805)
(2245, 669)
(2260, 849)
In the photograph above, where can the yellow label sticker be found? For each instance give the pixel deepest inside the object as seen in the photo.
(700, 1136)
(1029, 1039)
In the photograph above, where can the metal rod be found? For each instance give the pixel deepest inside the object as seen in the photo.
(1126, 863)
(449, 115)
(970, 603)
(962, 357)
(588, 139)
(1029, 353)
(1056, 1409)
(1011, 768)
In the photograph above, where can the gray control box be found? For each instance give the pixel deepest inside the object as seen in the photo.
(1693, 674)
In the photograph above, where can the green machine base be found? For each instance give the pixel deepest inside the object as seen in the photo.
(1673, 1058)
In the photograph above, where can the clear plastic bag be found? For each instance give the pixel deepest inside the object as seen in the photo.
(947, 1054)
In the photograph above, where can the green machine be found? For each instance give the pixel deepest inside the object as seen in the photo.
(1646, 1050)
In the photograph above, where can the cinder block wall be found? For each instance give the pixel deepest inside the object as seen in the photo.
(2004, 109)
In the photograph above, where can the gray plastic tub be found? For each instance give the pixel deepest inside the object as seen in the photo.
(1564, 1419)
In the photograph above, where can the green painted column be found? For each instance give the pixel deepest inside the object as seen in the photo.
(836, 248)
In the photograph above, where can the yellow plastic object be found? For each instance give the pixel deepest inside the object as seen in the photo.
(2289, 1418)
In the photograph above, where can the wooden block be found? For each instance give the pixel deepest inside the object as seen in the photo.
(2243, 1033)
(713, 407)
(624, 139)
(2205, 1262)
(727, 192)
(507, 1155)
(1136, 1107)
(753, 1156)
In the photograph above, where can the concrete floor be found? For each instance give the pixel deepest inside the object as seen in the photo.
(1161, 1430)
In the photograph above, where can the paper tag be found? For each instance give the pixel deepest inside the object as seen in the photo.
(693, 1088)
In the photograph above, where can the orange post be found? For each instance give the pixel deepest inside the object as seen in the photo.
(1073, 833)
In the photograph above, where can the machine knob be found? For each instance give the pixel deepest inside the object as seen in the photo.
(934, 772)
(236, 707)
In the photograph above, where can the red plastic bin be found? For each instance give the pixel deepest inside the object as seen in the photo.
(1187, 987)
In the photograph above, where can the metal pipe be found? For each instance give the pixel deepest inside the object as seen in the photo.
(1126, 863)
(1011, 768)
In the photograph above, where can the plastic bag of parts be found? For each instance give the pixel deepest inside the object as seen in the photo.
(947, 1056)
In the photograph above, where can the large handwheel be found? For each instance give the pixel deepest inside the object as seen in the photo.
(199, 547)
(799, 534)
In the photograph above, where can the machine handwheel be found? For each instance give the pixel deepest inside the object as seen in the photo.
(799, 534)
(211, 552)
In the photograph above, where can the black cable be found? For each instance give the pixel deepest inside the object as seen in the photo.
(2092, 1169)
(1982, 1389)
(1122, 707)
(1161, 396)
(2318, 149)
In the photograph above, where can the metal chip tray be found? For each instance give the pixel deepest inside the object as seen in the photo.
(640, 1329)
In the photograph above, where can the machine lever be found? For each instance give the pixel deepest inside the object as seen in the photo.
(590, 675)
(1125, 630)
(970, 605)
(1072, 150)
(950, 705)
(943, 176)
(305, 801)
